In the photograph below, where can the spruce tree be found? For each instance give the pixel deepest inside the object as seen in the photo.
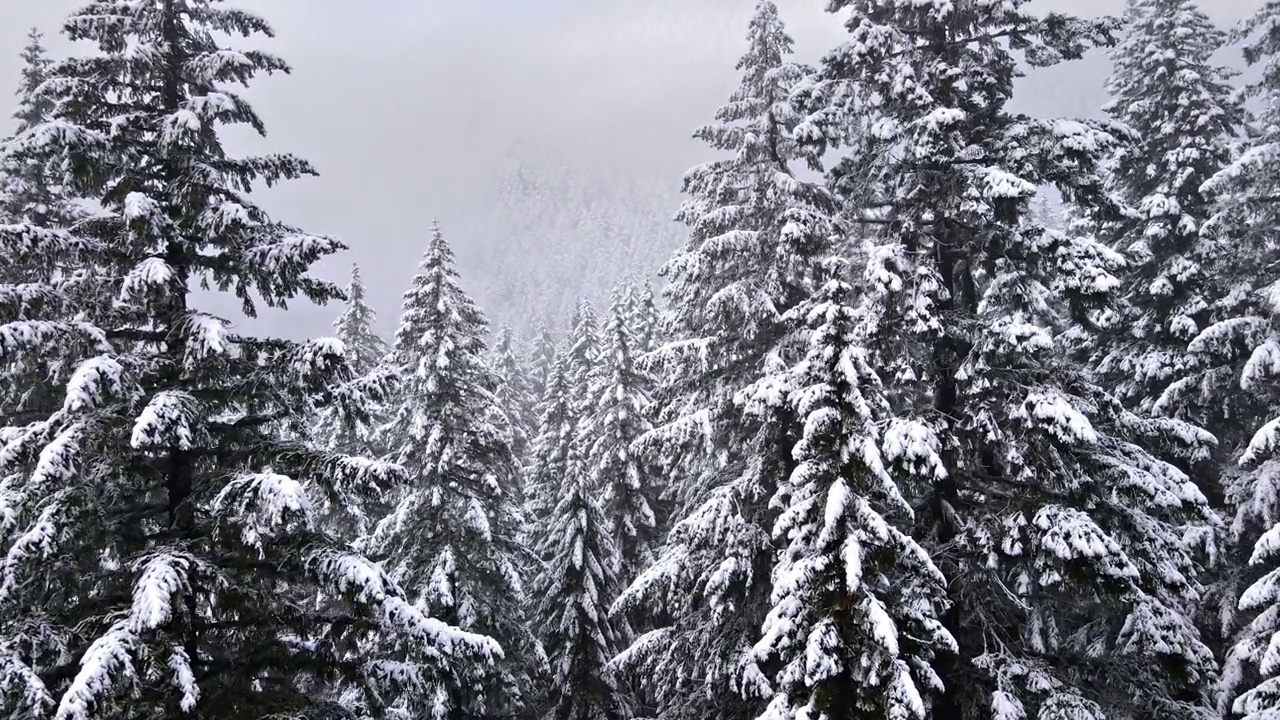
(513, 393)
(30, 189)
(1166, 87)
(453, 537)
(542, 360)
(552, 454)
(1241, 348)
(364, 350)
(755, 233)
(1040, 494)
(583, 351)
(580, 581)
(615, 421)
(644, 318)
(160, 550)
(854, 623)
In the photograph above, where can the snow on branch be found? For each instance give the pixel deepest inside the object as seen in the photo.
(356, 576)
(93, 383)
(165, 422)
(262, 503)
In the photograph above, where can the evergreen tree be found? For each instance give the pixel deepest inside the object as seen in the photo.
(30, 190)
(1166, 88)
(644, 318)
(336, 428)
(160, 551)
(1240, 349)
(583, 351)
(1038, 491)
(542, 360)
(616, 421)
(755, 231)
(574, 595)
(856, 601)
(552, 453)
(364, 350)
(513, 393)
(453, 538)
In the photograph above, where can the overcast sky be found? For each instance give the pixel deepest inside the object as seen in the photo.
(406, 106)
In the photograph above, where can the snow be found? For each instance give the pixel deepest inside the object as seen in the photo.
(160, 578)
(93, 383)
(165, 421)
(107, 664)
(146, 279)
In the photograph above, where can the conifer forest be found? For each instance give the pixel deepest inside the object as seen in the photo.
(939, 410)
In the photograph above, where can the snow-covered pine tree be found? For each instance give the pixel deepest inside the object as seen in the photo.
(643, 319)
(583, 351)
(365, 348)
(335, 427)
(552, 453)
(755, 230)
(159, 550)
(365, 351)
(1058, 530)
(542, 360)
(574, 593)
(854, 625)
(1166, 87)
(30, 190)
(513, 393)
(1243, 346)
(615, 420)
(453, 539)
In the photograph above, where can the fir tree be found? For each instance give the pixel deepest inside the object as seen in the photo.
(160, 550)
(616, 420)
(1166, 88)
(30, 190)
(1038, 491)
(854, 624)
(755, 231)
(644, 318)
(1241, 348)
(552, 453)
(542, 360)
(574, 593)
(583, 351)
(453, 539)
(513, 393)
(364, 350)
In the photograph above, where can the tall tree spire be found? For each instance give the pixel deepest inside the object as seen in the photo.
(615, 420)
(34, 108)
(1166, 87)
(453, 537)
(755, 231)
(513, 392)
(30, 190)
(365, 349)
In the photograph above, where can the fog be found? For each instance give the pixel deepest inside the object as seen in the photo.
(422, 109)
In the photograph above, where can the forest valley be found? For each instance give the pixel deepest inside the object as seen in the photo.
(894, 440)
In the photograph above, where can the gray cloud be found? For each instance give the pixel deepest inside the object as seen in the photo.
(408, 108)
